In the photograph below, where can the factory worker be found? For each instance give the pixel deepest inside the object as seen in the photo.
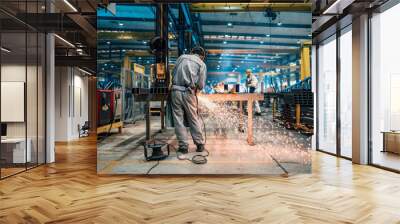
(189, 76)
(251, 84)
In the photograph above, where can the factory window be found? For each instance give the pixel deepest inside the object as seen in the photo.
(327, 95)
(346, 92)
(385, 89)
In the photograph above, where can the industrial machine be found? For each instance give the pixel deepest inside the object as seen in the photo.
(157, 90)
(108, 106)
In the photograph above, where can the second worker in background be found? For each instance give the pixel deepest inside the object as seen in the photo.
(252, 84)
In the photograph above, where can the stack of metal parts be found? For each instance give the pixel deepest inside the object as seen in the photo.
(287, 104)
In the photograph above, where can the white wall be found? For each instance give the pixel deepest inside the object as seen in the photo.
(71, 102)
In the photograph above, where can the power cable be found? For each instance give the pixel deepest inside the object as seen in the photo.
(196, 159)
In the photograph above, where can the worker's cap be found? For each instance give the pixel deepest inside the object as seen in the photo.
(199, 51)
(249, 70)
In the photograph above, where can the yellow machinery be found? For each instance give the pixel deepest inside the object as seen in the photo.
(305, 72)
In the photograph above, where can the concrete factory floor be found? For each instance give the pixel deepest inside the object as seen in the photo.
(277, 151)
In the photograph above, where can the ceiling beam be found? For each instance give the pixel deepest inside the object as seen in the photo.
(246, 7)
(213, 50)
(254, 24)
(89, 30)
(81, 61)
(263, 35)
(128, 35)
(129, 19)
(246, 42)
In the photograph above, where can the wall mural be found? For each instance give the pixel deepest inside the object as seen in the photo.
(204, 89)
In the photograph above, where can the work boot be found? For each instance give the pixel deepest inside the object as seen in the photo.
(258, 114)
(183, 150)
(200, 148)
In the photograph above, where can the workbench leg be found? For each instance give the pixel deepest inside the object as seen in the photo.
(298, 115)
(250, 122)
(162, 114)
(273, 109)
(241, 121)
(147, 114)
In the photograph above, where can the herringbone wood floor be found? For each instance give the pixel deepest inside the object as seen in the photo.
(71, 192)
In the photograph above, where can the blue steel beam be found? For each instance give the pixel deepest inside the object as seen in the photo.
(255, 24)
(173, 20)
(119, 29)
(257, 35)
(189, 22)
(129, 19)
(199, 29)
(247, 42)
(242, 56)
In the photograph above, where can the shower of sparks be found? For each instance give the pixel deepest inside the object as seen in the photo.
(223, 121)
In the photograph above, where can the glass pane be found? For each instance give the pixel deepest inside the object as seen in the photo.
(41, 98)
(327, 96)
(346, 93)
(385, 84)
(31, 97)
(14, 153)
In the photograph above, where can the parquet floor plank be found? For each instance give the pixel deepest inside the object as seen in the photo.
(70, 191)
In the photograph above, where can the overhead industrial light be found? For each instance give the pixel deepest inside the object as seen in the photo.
(338, 6)
(229, 24)
(120, 24)
(5, 50)
(225, 42)
(84, 71)
(70, 5)
(64, 40)
(279, 24)
(267, 35)
(261, 42)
